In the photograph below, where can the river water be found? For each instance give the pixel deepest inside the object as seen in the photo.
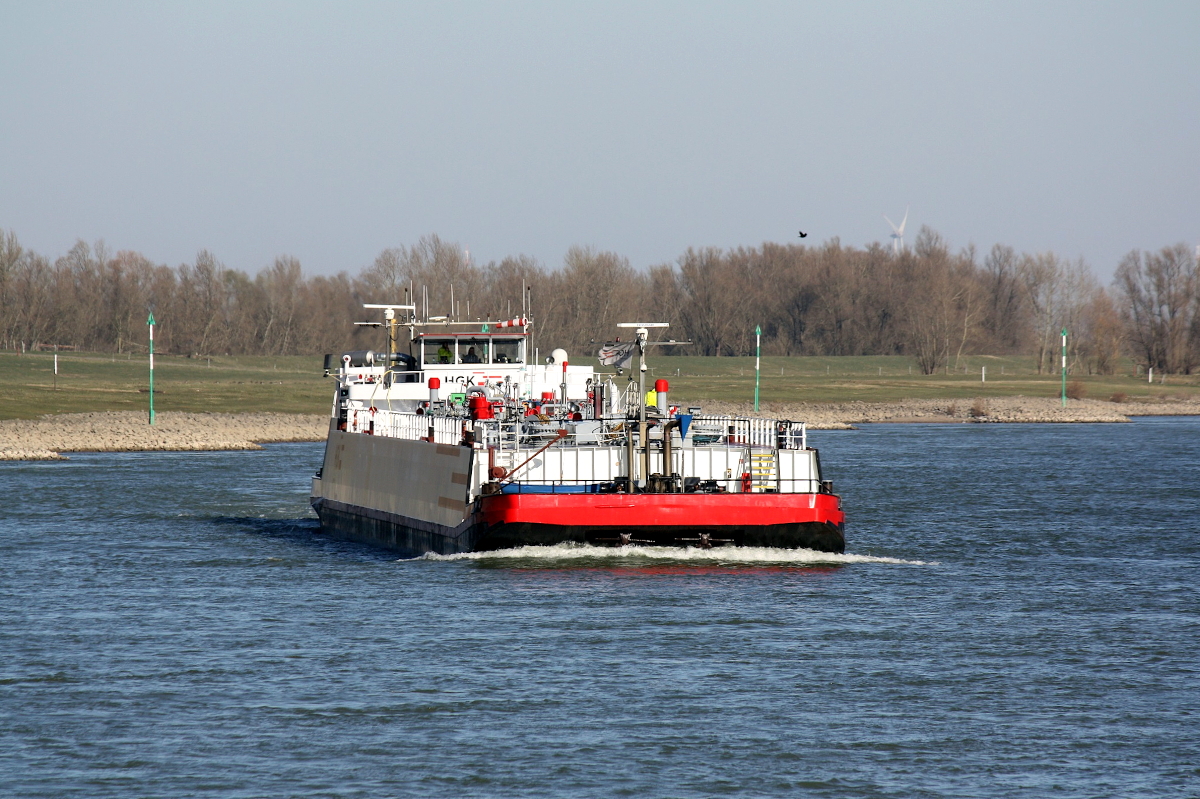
(1017, 615)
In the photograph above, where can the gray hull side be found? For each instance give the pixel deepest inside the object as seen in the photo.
(406, 496)
(405, 536)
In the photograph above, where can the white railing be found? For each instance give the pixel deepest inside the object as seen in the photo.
(723, 449)
(731, 431)
(411, 426)
(533, 431)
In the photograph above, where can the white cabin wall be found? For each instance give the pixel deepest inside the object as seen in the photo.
(798, 471)
(571, 464)
(711, 463)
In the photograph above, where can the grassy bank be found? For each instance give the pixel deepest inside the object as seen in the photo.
(889, 379)
(97, 382)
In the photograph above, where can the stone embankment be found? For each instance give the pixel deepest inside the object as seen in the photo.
(842, 416)
(46, 438)
(127, 431)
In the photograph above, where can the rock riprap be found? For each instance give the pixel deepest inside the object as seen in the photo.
(128, 431)
(839, 416)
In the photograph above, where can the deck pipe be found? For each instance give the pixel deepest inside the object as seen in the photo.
(667, 428)
(632, 451)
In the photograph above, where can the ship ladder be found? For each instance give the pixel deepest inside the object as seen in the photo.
(762, 471)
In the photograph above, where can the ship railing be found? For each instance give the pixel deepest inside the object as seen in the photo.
(411, 426)
(532, 431)
(539, 485)
(734, 431)
(561, 486)
(798, 486)
(704, 431)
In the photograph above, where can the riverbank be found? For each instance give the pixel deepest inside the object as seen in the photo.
(48, 437)
(842, 416)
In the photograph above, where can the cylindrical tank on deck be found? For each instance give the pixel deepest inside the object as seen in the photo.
(480, 407)
(434, 384)
(360, 357)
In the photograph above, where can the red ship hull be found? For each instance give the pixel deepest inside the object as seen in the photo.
(811, 521)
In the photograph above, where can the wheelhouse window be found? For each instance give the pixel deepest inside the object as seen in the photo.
(508, 351)
(473, 351)
(437, 351)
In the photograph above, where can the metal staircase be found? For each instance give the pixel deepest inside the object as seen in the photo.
(763, 476)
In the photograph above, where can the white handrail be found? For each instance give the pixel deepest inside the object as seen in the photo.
(510, 435)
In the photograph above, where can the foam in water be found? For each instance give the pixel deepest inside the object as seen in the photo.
(749, 556)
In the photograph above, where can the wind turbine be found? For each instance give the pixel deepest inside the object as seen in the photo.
(897, 233)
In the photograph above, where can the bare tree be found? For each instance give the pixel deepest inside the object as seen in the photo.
(831, 300)
(127, 280)
(932, 304)
(11, 256)
(33, 293)
(1161, 292)
(598, 289)
(77, 296)
(1004, 314)
(1079, 287)
(712, 301)
(1100, 333)
(280, 285)
(1041, 277)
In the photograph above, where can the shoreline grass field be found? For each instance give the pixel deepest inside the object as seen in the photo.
(100, 402)
(877, 379)
(94, 382)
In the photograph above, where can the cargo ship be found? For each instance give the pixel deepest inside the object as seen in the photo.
(460, 440)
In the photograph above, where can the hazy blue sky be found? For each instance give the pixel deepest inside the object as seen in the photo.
(330, 131)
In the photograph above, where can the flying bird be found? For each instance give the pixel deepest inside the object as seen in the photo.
(803, 234)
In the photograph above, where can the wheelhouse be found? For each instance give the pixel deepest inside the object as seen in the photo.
(470, 348)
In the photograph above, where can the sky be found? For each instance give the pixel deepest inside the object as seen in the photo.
(331, 131)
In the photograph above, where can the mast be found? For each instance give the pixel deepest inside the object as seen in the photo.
(642, 332)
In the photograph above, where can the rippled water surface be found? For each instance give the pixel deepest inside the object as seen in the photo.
(1017, 615)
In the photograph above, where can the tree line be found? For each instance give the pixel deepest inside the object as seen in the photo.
(926, 302)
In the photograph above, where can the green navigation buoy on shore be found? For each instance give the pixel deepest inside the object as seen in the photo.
(150, 322)
(1064, 369)
(757, 359)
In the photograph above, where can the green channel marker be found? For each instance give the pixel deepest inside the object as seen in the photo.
(150, 322)
(1064, 369)
(757, 358)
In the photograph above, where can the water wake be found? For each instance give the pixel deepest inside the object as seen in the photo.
(580, 554)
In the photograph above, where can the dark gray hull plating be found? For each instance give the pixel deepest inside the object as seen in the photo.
(406, 536)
